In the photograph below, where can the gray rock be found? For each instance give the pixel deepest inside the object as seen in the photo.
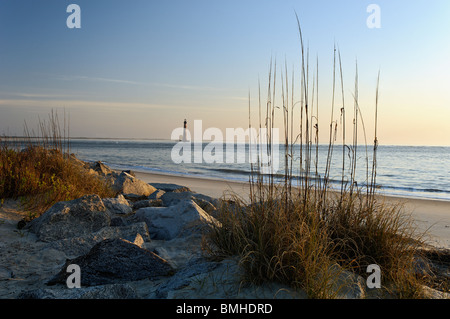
(131, 186)
(182, 219)
(147, 203)
(167, 187)
(184, 276)
(5, 273)
(115, 260)
(118, 205)
(100, 168)
(74, 218)
(172, 198)
(346, 284)
(77, 246)
(156, 195)
(115, 291)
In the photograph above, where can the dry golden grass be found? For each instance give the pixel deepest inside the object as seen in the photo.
(297, 234)
(40, 172)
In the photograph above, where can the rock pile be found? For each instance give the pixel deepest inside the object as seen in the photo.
(119, 240)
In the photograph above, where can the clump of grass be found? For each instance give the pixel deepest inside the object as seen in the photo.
(297, 233)
(39, 170)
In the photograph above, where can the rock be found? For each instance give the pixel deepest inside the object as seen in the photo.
(147, 203)
(178, 251)
(167, 187)
(346, 284)
(115, 260)
(71, 219)
(118, 205)
(184, 277)
(179, 220)
(131, 186)
(130, 172)
(156, 195)
(206, 206)
(223, 280)
(115, 291)
(77, 246)
(172, 198)
(5, 273)
(117, 221)
(100, 168)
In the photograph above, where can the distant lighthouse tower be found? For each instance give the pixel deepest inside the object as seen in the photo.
(184, 131)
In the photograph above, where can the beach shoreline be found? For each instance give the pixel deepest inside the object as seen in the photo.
(431, 215)
(28, 262)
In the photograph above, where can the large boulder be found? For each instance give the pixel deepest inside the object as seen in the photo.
(182, 219)
(118, 205)
(172, 198)
(115, 260)
(131, 186)
(207, 203)
(74, 218)
(77, 246)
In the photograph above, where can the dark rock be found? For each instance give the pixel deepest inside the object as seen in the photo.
(115, 260)
(117, 222)
(167, 187)
(21, 224)
(156, 195)
(116, 291)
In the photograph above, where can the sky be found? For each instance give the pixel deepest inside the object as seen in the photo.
(137, 69)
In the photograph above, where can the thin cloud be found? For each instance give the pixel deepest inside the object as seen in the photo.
(76, 104)
(36, 95)
(119, 81)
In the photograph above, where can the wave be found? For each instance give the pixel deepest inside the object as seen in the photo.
(239, 174)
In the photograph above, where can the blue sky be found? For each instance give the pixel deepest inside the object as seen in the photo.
(138, 68)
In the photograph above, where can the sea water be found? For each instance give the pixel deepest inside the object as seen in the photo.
(409, 171)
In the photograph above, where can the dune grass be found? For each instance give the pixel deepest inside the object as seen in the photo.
(297, 233)
(39, 170)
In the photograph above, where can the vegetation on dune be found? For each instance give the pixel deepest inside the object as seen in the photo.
(298, 233)
(40, 171)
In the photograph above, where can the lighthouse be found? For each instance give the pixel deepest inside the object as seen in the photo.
(184, 131)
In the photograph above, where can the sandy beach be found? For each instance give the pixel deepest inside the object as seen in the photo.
(430, 215)
(26, 262)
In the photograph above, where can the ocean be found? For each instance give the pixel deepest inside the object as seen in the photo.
(407, 171)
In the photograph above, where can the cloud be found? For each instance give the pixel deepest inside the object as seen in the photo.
(154, 84)
(55, 103)
(36, 95)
